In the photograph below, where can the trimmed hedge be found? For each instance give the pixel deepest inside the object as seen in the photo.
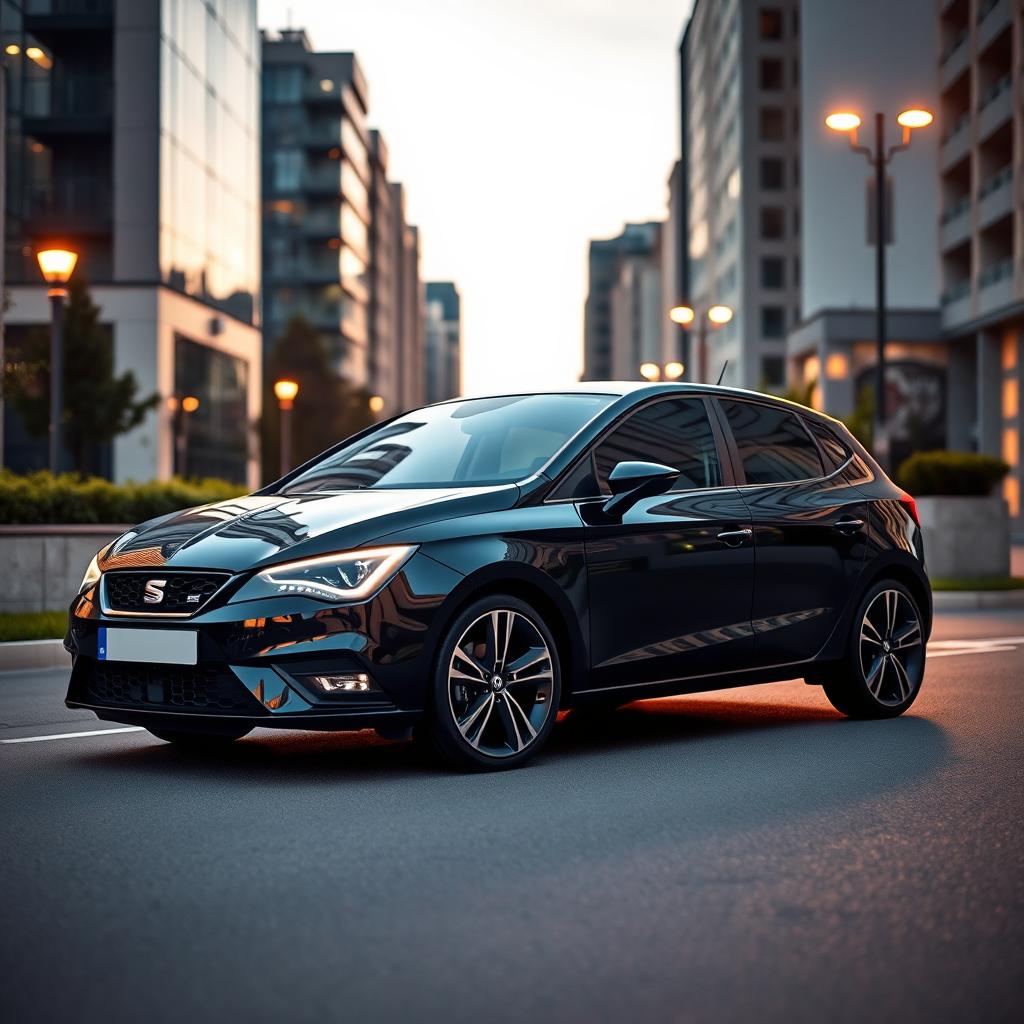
(43, 498)
(929, 474)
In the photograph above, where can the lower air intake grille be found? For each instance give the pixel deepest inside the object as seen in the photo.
(204, 689)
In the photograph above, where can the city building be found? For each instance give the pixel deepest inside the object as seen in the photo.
(618, 332)
(980, 50)
(443, 353)
(409, 312)
(132, 137)
(740, 119)
(316, 198)
(846, 64)
(383, 312)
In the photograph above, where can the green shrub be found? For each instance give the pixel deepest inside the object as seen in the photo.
(44, 498)
(951, 473)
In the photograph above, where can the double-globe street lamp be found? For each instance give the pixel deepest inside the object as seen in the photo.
(57, 266)
(847, 122)
(672, 370)
(285, 391)
(711, 318)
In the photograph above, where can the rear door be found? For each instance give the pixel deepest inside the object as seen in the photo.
(808, 525)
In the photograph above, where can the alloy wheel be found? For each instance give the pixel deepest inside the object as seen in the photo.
(499, 683)
(891, 648)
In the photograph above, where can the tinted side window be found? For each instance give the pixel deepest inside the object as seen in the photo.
(675, 432)
(773, 445)
(836, 451)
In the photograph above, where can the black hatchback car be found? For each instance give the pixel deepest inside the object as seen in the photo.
(468, 569)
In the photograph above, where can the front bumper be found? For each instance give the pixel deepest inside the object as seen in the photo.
(256, 660)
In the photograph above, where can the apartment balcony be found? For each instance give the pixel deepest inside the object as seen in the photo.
(76, 105)
(994, 17)
(995, 107)
(956, 304)
(956, 223)
(995, 197)
(71, 205)
(995, 287)
(956, 143)
(955, 60)
(324, 181)
(324, 224)
(305, 271)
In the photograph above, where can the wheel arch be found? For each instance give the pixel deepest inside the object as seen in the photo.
(911, 576)
(537, 590)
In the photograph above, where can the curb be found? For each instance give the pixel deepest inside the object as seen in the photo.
(18, 655)
(965, 600)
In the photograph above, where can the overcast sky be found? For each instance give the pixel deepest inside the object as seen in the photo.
(521, 129)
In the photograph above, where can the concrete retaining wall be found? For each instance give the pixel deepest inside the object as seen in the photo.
(965, 538)
(42, 566)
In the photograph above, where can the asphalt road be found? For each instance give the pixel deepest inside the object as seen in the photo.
(738, 856)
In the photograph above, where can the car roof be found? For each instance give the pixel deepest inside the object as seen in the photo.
(645, 389)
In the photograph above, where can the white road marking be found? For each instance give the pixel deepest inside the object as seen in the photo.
(952, 648)
(74, 735)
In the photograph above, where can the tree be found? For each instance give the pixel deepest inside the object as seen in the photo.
(98, 406)
(327, 409)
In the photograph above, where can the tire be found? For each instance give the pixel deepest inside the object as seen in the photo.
(478, 719)
(881, 675)
(194, 740)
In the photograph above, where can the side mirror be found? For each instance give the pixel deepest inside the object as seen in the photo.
(631, 481)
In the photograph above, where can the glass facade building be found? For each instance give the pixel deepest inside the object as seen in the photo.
(209, 152)
(132, 136)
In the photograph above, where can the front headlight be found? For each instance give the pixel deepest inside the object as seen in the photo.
(92, 574)
(347, 576)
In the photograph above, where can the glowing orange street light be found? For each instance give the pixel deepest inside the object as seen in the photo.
(878, 157)
(285, 391)
(190, 403)
(686, 316)
(376, 404)
(181, 409)
(56, 266)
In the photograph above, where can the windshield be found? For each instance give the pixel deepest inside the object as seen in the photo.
(472, 443)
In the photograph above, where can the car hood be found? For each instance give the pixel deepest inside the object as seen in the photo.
(262, 529)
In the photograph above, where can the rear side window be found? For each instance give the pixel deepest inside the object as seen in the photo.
(773, 445)
(674, 432)
(836, 452)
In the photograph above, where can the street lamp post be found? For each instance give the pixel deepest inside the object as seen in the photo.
(181, 409)
(712, 317)
(285, 392)
(56, 266)
(878, 158)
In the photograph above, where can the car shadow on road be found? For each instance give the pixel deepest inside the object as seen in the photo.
(774, 754)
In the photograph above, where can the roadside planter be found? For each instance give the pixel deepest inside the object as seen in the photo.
(966, 524)
(42, 566)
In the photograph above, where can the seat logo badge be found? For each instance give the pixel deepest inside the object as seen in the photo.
(154, 592)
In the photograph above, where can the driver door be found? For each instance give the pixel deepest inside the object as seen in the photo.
(670, 584)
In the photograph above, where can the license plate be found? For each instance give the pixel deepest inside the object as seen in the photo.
(163, 646)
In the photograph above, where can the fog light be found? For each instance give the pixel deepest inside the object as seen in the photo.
(350, 682)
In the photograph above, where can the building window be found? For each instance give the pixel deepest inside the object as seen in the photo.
(772, 173)
(772, 124)
(769, 23)
(773, 370)
(771, 74)
(773, 222)
(773, 322)
(796, 220)
(282, 84)
(773, 272)
(286, 170)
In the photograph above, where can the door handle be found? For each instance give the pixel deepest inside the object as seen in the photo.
(733, 538)
(849, 525)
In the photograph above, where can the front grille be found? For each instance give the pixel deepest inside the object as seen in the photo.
(204, 689)
(184, 593)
